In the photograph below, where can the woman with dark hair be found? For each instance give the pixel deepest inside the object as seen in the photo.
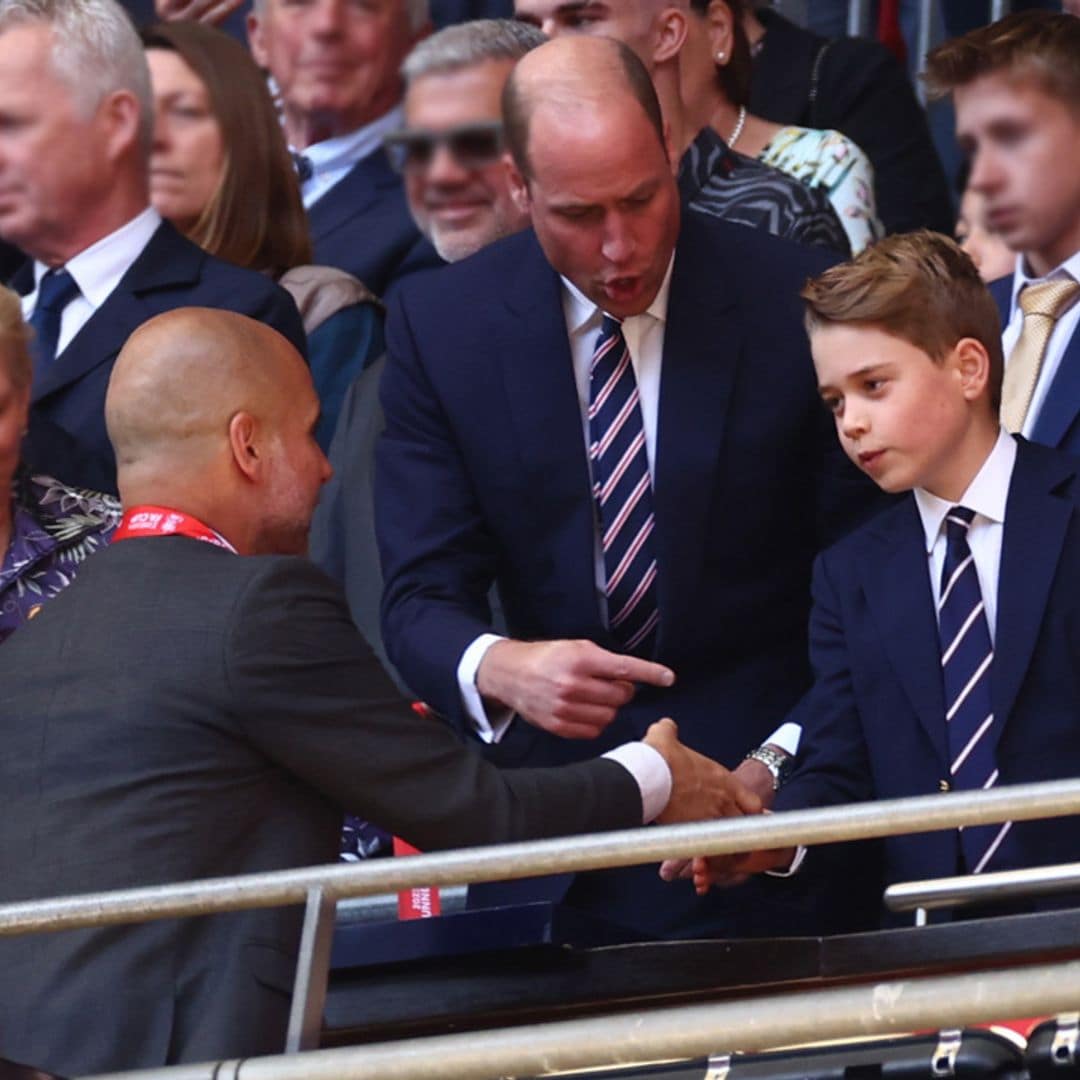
(716, 72)
(221, 172)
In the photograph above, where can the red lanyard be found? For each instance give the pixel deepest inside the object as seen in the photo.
(161, 521)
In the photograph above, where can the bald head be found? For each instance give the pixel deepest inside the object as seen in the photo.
(214, 414)
(180, 379)
(574, 75)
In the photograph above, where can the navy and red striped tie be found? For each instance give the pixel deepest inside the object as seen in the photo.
(623, 491)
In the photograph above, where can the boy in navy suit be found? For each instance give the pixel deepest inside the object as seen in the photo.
(945, 633)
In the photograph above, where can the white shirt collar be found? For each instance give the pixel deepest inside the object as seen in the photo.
(97, 270)
(580, 311)
(1070, 268)
(987, 494)
(344, 151)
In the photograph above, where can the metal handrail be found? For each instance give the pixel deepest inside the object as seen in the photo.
(982, 888)
(857, 821)
(689, 1031)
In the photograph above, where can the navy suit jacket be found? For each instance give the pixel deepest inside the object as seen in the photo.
(363, 225)
(1059, 418)
(874, 723)
(482, 474)
(67, 436)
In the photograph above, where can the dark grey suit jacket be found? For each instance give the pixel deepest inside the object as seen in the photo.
(181, 712)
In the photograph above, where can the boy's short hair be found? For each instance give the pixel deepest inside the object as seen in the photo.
(1043, 46)
(919, 287)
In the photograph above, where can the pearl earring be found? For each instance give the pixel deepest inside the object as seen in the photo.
(720, 56)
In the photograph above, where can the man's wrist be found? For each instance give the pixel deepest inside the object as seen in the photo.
(650, 770)
(777, 761)
(490, 724)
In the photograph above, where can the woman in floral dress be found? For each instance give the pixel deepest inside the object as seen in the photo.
(46, 528)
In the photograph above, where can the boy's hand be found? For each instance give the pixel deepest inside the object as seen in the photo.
(726, 870)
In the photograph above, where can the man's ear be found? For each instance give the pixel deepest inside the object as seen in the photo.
(670, 34)
(244, 444)
(119, 116)
(519, 186)
(256, 39)
(972, 363)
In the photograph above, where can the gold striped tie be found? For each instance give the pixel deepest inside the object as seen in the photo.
(1042, 305)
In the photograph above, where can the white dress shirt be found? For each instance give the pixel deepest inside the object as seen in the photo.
(987, 495)
(97, 270)
(1062, 334)
(332, 159)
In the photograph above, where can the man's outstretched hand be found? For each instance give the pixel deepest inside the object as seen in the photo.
(571, 688)
(701, 789)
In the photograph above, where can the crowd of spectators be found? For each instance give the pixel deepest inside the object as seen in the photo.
(540, 329)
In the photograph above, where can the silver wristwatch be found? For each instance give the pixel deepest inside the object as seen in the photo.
(776, 761)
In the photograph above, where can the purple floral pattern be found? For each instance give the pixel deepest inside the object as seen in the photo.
(54, 529)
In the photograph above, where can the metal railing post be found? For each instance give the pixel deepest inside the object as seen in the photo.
(858, 18)
(312, 972)
(982, 888)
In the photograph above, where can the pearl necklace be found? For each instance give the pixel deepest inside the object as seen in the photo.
(733, 138)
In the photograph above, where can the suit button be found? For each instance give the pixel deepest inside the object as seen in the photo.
(944, 785)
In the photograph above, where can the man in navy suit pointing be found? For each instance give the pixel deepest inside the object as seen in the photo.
(613, 416)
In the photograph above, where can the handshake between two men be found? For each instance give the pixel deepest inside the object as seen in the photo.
(574, 689)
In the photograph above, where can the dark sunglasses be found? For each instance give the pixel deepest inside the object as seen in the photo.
(470, 145)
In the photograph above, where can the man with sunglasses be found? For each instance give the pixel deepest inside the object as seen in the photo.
(494, 466)
(450, 150)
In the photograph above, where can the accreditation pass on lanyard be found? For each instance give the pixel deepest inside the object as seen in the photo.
(161, 521)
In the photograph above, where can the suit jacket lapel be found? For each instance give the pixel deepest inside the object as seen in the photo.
(353, 194)
(1062, 403)
(1036, 523)
(703, 348)
(167, 261)
(538, 377)
(897, 589)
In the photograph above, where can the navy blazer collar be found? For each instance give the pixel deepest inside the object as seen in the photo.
(168, 261)
(897, 587)
(353, 194)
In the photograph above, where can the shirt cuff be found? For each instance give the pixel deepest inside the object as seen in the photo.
(648, 767)
(793, 866)
(787, 737)
(488, 727)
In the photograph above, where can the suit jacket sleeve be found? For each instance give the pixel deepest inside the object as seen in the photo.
(310, 693)
(833, 765)
(436, 578)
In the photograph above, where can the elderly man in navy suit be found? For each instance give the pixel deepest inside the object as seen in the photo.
(336, 64)
(76, 119)
(613, 416)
